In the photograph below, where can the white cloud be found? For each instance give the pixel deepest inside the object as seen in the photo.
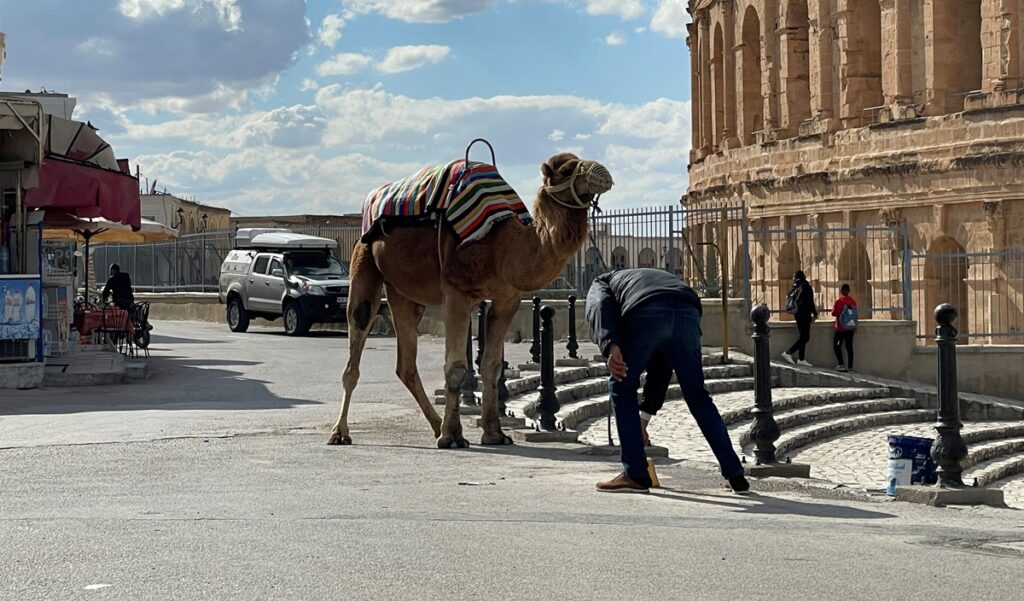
(98, 46)
(330, 30)
(616, 39)
(670, 18)
(227, 12)
(407, 58)
(624, 9)
(640, 30)
(345, 63)
(420, 11)
(309, 85)
(329, 154)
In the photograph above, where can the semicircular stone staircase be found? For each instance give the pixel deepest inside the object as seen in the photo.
(837, 423)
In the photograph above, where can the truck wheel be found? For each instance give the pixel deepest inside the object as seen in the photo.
(238, 317)
(295, 323)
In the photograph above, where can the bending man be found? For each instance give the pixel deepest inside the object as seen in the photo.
(636, 314)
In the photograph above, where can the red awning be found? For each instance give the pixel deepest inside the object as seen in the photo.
(86, 190)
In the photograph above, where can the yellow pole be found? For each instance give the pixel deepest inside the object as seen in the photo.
(723, 248)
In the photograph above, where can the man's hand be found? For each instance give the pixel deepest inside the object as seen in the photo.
(616, 365)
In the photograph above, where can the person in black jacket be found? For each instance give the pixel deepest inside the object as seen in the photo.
(806, 312)
(637, 314)
(119, 286)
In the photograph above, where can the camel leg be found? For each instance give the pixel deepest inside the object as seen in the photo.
(456, 326)
(407, 315)
(365, 286)
(500, 315)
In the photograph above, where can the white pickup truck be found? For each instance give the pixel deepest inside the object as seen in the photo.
(274, 273)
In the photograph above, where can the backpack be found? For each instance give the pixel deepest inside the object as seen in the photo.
(792, 300)
(848, 317)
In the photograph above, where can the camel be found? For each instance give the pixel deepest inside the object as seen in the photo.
(422, 266)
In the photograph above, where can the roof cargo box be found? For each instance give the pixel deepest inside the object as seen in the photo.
(280, 239)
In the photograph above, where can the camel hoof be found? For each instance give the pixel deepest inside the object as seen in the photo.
(498, 439)
(338, 439)
(452, 442)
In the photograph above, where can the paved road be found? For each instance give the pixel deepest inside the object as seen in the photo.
(279, 515)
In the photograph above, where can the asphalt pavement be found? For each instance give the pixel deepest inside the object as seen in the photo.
(211, 480)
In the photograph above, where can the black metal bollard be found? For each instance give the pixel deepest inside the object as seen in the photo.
(548, 405)
(535, 345)
(763, 431)
(469, 382)
(573, 344)
(481, 334)
(949, 449)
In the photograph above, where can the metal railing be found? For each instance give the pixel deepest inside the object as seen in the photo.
(987, 288)
(870, 259)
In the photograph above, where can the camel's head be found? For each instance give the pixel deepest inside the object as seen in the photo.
(573, 182)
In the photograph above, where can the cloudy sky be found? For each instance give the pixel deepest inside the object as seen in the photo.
(304, 106)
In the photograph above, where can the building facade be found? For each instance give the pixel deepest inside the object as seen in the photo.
(879, 142)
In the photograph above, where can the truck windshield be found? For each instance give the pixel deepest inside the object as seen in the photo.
(315, 266)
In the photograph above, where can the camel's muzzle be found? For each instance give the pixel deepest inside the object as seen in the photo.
(598, 180)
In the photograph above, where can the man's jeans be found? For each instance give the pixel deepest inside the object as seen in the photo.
(671, 327)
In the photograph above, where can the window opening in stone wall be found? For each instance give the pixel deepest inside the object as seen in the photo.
(855, 270)
(647, 259)
(965, 51)
(752, 105)
(620, 258)
(718, 64)
(945, 281)
(863, 62)
(795, 57)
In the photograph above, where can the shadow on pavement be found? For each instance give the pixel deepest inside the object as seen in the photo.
(158, 339)
(762, 504)
(178, 383)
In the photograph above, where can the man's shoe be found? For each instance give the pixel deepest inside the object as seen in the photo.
(803, 363)
(788, 358)
(841, 368)
(623, 483)
(739, 485)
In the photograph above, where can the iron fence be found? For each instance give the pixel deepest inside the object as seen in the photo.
(872, 260)
(688, 242)
(987, 289)
(708, 248)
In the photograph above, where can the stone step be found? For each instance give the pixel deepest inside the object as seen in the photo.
(580, 395)
(794, 418)
(795, 398)
(809, 434)
(1010, 430)
(992, 450)
(136, 370)
(994, 470)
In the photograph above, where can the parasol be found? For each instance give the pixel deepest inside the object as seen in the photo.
(99, 230)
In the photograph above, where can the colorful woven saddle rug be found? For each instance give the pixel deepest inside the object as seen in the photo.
(470, 200)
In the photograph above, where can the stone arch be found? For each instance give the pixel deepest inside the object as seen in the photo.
(751, 103)
(647, 259)
(855, 270)
(592, 263)
(795, 72)
(674, 262)
(620, 258)
(963, 61)
(945, 281)
(771, 64)
(861, 61)
(718, 81)
(789, 263)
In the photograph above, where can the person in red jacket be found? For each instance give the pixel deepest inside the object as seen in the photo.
(845, 326)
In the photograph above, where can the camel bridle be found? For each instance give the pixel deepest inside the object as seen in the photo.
(598, 180)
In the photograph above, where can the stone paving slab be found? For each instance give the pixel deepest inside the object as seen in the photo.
(861, 459)
(675, 428)
(1013, 491)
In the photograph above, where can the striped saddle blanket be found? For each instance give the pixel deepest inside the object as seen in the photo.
(469, 199)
